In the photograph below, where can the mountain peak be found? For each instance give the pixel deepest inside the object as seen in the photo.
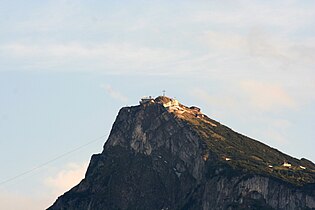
(237, 150)
(172, 105)
(162, 154)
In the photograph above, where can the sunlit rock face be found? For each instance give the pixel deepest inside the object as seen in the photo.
(164, 155)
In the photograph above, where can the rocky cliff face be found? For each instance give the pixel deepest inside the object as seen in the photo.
(163, 155)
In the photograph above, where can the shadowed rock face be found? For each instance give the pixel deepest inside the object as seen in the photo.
(175, 157)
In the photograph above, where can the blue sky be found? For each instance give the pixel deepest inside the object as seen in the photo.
(67, 67)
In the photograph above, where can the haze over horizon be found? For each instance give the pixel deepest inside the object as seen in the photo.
(67, 67)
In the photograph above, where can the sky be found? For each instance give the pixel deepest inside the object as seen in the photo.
(67, 67)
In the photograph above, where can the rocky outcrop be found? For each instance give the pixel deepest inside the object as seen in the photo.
(174, 157)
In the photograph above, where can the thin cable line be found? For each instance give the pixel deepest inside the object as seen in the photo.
(50, 161)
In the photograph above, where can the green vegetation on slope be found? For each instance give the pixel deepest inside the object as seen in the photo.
(248, 154)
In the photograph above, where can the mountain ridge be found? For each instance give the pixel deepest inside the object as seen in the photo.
(164, 155)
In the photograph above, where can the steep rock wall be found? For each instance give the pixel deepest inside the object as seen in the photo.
(155, 160)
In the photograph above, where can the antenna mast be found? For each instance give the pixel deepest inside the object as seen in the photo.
(163, 92)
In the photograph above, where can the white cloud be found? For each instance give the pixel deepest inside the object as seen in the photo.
(67, 178)
(274, 135)
(281, 15)
(101, 57)
(54, 186)
(267, 97)
(16, 201)
(224, 40)
(281, 123)
(239, 35)
(114, 93)
(238, 98)
(220, 103)
(216, 99)
(258, 43)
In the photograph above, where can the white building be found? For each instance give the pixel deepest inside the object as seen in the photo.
(172, 102)
(145, 100)
(286, 164)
